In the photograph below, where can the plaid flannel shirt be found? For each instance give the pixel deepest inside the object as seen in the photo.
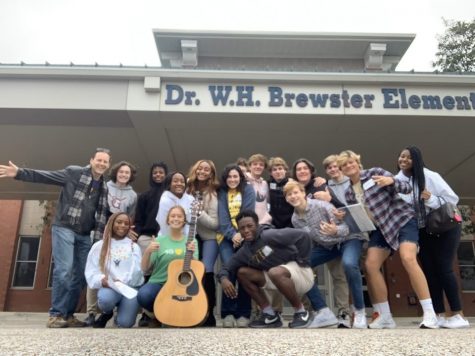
(316, 212)
(389, 211)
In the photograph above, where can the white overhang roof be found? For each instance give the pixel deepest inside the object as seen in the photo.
(293, 45)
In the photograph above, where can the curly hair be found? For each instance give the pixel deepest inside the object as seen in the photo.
(225, 174)
(115, 170)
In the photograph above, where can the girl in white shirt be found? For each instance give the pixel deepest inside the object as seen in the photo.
(112, 263)
(174, 194)
(437, 253)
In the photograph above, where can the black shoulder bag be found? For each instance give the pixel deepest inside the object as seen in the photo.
(444, 218)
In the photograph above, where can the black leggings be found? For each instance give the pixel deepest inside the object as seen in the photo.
(437, 256)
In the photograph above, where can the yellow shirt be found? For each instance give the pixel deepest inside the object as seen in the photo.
(234, 207)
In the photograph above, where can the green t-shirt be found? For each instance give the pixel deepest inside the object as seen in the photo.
(169, 250)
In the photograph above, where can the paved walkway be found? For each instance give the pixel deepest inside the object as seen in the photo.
(26, 334)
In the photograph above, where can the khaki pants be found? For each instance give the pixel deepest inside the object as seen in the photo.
(340, 285)
(143, 241)
(91, 300)
(301, 276)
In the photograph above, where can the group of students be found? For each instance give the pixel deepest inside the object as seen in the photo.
(269, 234)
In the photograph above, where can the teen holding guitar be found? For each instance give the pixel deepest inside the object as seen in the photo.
(160, 253)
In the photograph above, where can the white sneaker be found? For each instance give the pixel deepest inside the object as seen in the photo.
(229, 322)
(442, 322)
(456, 322)
(383, 321)
(323, 318)
(360, 320)
(430, 321)
(242, 322)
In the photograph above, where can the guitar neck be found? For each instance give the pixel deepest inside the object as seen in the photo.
(191, 237)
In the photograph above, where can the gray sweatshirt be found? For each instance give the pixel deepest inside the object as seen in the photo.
(121, 199)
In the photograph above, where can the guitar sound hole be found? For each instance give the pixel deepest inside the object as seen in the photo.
(184, 278)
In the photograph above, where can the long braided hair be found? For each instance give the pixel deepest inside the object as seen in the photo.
(104, 258)
(418, 180)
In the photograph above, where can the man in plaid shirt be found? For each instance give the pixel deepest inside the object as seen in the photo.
(377, 190)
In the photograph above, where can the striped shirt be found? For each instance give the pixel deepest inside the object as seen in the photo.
(316, 212)
(389, 211)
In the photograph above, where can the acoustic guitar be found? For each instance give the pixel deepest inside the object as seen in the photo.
(182, 300)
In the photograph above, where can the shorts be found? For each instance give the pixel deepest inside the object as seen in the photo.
(301, 276)
(407, 233)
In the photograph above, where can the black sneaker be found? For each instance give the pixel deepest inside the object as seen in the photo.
(90, 319)
(300, 320)
(344, 320)
(143, 321)
(266, 321)
(101, 322)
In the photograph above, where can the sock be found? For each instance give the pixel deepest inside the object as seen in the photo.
(301, 309)
(377, 308)
(384, 308)
(427, 306)
(268, 310)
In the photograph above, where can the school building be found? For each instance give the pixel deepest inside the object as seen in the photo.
(223, 95)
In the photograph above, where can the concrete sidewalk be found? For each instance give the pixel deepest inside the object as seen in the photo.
(26, 334)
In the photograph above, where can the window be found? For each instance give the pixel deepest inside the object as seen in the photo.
(26, 261)
(466, 257)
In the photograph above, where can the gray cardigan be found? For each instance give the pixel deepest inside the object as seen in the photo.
(208, 222)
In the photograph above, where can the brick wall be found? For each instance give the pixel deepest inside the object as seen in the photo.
(10, 214)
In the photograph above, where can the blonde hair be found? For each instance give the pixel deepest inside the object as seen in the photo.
(257, 157)
(346, 155)
(329, 160)
(211, 185)
(291, 184)
(277, 161)
(179, 207)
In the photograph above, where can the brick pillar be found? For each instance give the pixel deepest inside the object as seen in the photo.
(10, 216)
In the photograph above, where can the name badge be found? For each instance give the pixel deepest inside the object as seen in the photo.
(273, 186)
(368, 184)
(266, 250)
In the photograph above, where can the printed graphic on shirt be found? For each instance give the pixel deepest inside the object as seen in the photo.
(120, 254)
(261, 254)
(260, 197)
(116, 201)
(174, 251)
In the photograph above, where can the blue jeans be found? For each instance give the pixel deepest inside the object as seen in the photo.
(70, 252)
(241, 306)
(147, 294)
(127, 309)
(350, 252)
(209, 254)
(407, 233)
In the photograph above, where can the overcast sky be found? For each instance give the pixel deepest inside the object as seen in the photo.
(120, 31)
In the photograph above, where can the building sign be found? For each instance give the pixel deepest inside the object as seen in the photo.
(328, 99)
